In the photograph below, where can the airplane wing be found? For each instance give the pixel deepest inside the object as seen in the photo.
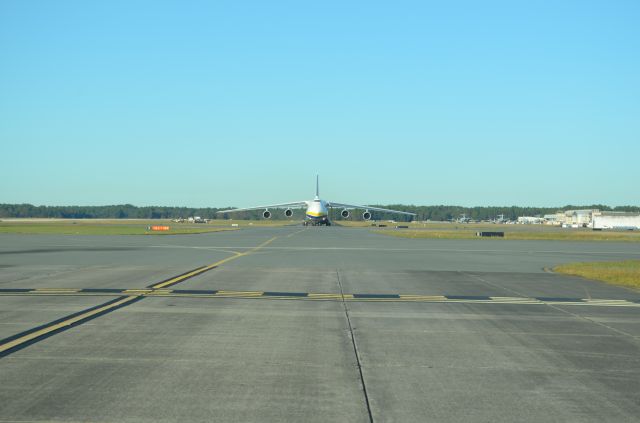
(295, 204)
(351, 206)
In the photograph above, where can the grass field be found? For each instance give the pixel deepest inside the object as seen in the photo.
(104, 227)
(515, 234)
(624, 273)
(127, 226)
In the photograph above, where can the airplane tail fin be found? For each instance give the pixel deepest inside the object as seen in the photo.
(317, 187)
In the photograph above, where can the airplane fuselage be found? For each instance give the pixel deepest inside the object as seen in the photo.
(317, 212)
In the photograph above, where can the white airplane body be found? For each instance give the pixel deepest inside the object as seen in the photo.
(317, 210)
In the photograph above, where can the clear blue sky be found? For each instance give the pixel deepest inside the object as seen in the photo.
(240, 103)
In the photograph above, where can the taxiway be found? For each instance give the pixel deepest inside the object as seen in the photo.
(314, 324)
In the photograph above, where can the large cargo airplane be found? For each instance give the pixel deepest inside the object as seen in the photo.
(317, 209)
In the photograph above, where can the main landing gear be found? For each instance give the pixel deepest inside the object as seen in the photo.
(324, 222)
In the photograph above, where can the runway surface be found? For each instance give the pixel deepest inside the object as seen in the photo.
(312, 324)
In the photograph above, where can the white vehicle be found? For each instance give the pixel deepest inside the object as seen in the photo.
(317, 209)
(197, 219)
(464, 219)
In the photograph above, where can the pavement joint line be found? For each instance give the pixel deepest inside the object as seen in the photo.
(494, 285)
(595, 322)
(355, 349)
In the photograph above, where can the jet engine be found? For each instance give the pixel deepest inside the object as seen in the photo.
(266, 214)
(366, 215)
(288, 212)
(345, 213)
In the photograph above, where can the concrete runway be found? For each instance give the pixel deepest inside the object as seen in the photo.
(314, 324)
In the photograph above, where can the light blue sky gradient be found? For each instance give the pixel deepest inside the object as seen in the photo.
(242, 103)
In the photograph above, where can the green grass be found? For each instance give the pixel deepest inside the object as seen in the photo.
(550, 235)
(404, 233)
(103, 228)
(623, 273)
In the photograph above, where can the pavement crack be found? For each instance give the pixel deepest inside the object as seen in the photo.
(577, 316)
(355, 348)
(493, 285)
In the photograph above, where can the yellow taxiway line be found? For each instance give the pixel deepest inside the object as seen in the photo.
(63, 324)
(193, 273)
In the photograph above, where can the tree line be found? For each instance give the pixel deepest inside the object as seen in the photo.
(479, 213)
(436, 213)
(123, 211)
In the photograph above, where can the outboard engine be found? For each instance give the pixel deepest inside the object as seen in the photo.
(366, 215)
(266, 214)
(288, 212)
(345, 213)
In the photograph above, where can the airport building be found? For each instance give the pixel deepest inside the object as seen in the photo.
(616, 220)
(552, 219)
(530, 220)
(594, 219)
(581, 217)
(571, 217)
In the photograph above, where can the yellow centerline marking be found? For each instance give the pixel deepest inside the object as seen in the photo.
(178, 279)
(240, 293)
(510, 298)
(324, 296)
(264, 244)
(55, 290)
(296, 232)
(68, 322)
(160, 292)
(321, 296)
(423, 297)
(136, 291)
